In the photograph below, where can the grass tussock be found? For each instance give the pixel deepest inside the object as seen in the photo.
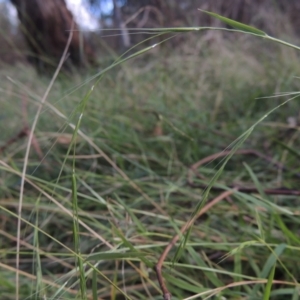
(100, 206)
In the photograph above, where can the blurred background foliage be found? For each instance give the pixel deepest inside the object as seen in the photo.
(276, 17)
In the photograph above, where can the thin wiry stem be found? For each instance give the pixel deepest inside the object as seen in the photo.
(30, 138)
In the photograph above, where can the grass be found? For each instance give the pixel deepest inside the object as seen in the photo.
(104, 202)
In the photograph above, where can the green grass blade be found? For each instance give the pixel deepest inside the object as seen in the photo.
(267, 293)
(94, 285)
(270, 263)
(115, 255)
(183, 240)
(296, 294)
(76, 234)
(288, 233)
(60, 291)
(287, 147)
(211, 276)
(256, 181)
(272, 260)
(235, 24)
(135, 220)
(237, 267)
(285, 293)
(37, 258)
(179, 283)
(131, 247)
(260, 225)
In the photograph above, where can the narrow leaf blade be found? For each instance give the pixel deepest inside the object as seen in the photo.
(235, 24)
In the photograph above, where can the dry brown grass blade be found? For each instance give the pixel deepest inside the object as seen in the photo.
(158, 268)
(30, 140)
(34, 278)
(275, 191)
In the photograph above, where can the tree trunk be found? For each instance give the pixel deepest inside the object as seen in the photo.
(46, 26)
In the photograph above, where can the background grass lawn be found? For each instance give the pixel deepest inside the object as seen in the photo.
(145, 124)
